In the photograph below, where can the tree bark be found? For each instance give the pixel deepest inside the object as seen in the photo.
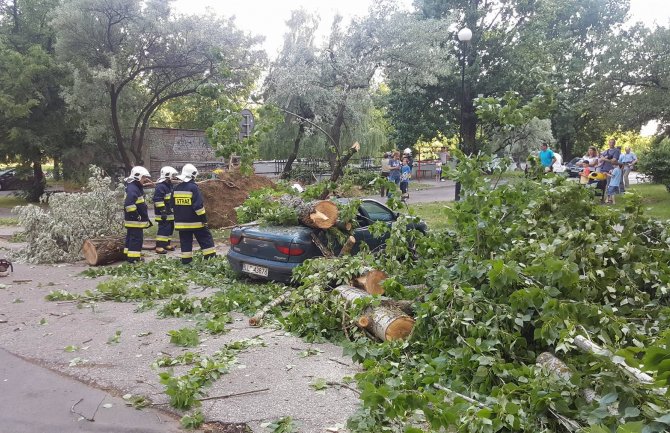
(103, 251)
(257, 318)
(335, 134)
(286, 173)
(385, 323)
(118, 135)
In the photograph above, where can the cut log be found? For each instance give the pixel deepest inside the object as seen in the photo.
(383, 322)
(320, 214)
(370, 280)
(257, 318)
(103, 251)
(348, 246)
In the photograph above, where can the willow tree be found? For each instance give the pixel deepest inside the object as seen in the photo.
(130, 57)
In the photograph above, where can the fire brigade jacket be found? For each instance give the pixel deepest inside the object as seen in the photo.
(163, 202)
(135, 215)
(189, 208)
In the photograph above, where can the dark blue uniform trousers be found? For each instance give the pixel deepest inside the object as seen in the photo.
(164, 233)
(205, 240)
(134, 239)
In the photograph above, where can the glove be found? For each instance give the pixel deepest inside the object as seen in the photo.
(164, 216)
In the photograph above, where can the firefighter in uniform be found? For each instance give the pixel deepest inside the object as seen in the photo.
(136, 216)
(163, 209)
(189, 216)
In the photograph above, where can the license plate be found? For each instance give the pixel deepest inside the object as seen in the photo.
(256, 270)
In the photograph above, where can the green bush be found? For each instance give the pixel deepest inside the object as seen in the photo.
(655, 162)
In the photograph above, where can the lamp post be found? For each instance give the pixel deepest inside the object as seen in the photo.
(464, 36)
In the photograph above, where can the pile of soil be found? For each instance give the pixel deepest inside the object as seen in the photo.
(223, 195)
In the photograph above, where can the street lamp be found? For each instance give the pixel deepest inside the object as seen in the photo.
(464, 36)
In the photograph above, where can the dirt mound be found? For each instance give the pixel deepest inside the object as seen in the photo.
(223, 195)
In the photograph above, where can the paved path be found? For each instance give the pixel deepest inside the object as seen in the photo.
(35, 399)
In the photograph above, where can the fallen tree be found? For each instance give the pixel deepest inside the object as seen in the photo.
(103, 251)
(384, 322)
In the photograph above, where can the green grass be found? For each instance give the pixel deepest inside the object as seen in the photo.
(433, 214)
(11, 200)
(9, 221)
(655, 200)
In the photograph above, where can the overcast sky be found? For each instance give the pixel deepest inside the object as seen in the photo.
(268, 17)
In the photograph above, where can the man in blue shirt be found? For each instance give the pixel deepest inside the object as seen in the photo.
(547, 157)
(628, 160)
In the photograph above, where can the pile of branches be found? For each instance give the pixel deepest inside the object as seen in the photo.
(538, 311)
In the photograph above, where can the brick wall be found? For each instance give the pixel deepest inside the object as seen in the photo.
(177, 147)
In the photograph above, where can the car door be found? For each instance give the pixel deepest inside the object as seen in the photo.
(370, 212)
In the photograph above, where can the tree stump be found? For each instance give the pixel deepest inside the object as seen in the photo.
(320, 214)
(384, 322)
(370, 281)
(103, 251)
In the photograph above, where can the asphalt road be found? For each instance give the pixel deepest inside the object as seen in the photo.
(35, 399)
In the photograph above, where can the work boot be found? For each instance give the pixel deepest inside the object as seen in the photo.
(160, 250)
(169, 247)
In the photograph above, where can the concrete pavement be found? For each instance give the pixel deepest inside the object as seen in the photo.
(35, 399)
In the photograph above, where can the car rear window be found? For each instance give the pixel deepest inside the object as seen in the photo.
(376, 212)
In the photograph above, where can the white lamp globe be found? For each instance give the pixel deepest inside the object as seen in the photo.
(464, 34)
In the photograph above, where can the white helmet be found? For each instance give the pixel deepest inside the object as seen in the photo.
(188, 172)
(137, 173)
(167, 172)
(407, 151)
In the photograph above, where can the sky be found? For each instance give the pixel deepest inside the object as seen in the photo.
(268, 17)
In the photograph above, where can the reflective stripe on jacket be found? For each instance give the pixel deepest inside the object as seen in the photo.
(163, 200)
(136, 214)
(189, 208)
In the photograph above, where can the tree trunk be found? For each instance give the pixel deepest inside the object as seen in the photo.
(335, 134)
(103, 251)
(321, 214)
(370, 280)
(118, 135)
(342, 162)
(286, 173)
(57, 168)
(385, 323)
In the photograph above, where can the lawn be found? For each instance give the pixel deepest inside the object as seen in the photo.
(655, 199)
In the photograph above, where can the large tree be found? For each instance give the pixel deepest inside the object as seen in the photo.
(516, 45)
(130, 57)
(34, 124)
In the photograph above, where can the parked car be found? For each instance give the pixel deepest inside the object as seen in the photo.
(13, 179)
(572, 168)
(271, 253)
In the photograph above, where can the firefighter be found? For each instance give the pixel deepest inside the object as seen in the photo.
(189, 216)
(136, 216)
(163, 209)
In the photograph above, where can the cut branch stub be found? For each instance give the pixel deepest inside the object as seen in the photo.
(385, 323)
(370, 280)
(103, 251)
(321, 214)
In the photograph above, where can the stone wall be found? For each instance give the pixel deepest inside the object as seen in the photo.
(177, 147)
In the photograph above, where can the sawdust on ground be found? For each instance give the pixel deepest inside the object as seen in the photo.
(223, 195)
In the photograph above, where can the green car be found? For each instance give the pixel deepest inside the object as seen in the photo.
(273, 252)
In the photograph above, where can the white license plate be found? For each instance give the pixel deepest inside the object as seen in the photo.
(256, 270)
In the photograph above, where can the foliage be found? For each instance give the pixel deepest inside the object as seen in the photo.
(655, 162)
(56, 235)
(116, 90)
(282, 425)
(193, 421)
(185, 390)
(525, 268)
(263, 206)
(185, 337)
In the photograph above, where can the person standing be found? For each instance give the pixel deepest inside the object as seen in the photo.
(407, 153)
(190, 218)
(135, 212)
(386, 168)
(405, 174)
(163, 209)
(444, 158)
(394, 170)
(628, 160)
(547, 157)
(615, 181)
